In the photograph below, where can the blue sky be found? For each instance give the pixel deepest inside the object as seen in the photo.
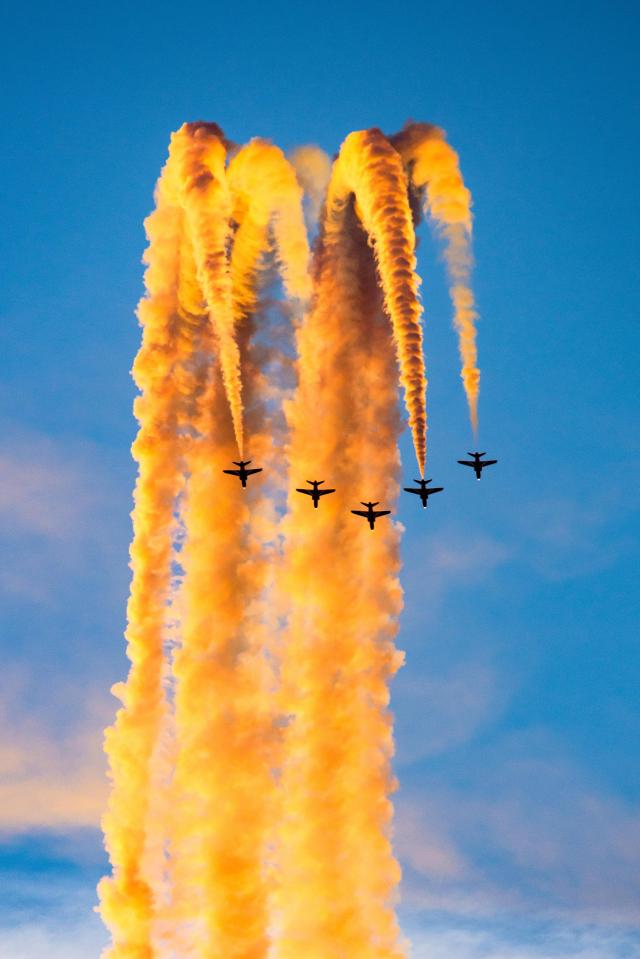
(518, 726)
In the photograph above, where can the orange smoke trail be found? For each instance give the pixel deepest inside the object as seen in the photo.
(199, 152)
(369, 167)
(435, 172)
(223, 711)
(368, 780)
(270, 232)
(313, 169)
(266, 193)
(126, 898)
(336, 777)
(225, 727)
(278, 842)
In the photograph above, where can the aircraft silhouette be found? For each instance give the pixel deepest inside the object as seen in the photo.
(243, 472)
(423, 492)
(477, 465)
(315, 493)
(370, 513)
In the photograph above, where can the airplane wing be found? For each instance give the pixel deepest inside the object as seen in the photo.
(257, 470)
(232, 472)
(435, 489)
(466, 463)
(408, 489)
(360, 512)
(307, 492)
(380, 512)
(322, 492)
(489, 462)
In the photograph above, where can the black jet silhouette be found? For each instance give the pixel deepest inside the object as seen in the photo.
(370, 513)
(477, 465)
(315, 493)
(423, 492)
(243, 472)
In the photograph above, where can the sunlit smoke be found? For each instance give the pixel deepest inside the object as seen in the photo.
(338, 875)
(199, 153)
(313, 168)
(250, 811)
(126, 897)
(435, 173)
(370, 168)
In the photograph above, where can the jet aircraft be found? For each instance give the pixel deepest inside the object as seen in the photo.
(424, 493)
(371, 514)
(477, 464)
(242, 473)
(315, 493)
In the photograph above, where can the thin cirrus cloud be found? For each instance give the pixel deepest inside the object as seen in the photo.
(58, 501)
(557, 537)
(54, 940)
(453, 706)
(64, 926)
(77, 934)
(447, 560)
(551, 942)
(527, 831)
(563, 537)
(52, 778)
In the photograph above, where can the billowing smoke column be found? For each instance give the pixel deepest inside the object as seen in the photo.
(250, 761)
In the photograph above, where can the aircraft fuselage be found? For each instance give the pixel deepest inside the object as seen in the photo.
(242, 472)
(477, 464)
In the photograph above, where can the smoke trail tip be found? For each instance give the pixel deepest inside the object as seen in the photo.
(313, 171)
(202, 129)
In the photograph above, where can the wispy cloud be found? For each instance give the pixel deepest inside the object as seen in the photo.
(57, 510)
(579, 524)
(60, 940)
(557, 535)
(549, 942)
(446, 561)
(453, 706)
(72, 932)
(52, 776)
(425, 846)
(63, 927)
(527, 831)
